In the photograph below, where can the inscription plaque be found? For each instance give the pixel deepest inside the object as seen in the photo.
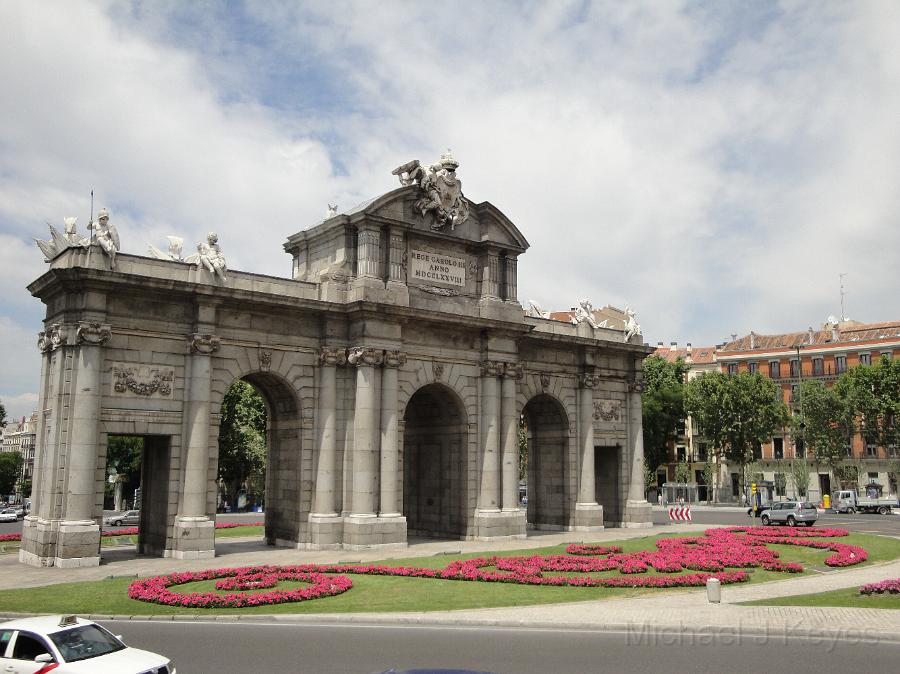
(437, 268)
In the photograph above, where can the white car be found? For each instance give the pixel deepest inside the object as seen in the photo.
(71, 645)
(8, 515)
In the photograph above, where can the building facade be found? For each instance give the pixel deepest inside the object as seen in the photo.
(20, 436)
(823, 355)
(396, 363)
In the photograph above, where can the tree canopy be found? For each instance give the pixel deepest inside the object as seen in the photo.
(736, 412)
(242, 437)
(826, 424)
(10, 471)
(2, 415)
(663, 406)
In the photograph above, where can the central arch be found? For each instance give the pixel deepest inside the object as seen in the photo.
(547, 430)
(434, 463)
(283, 457)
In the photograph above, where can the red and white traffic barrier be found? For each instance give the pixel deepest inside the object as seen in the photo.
(680, 513)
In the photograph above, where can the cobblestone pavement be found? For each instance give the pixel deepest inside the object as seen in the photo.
(682, 614)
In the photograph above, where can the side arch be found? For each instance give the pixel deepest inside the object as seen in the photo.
(550, 470)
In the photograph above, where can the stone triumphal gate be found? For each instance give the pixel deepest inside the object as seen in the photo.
(396, 364)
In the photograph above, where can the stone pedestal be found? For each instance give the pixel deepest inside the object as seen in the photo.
(368, 532)
(325, 532)
(63, 543)
(637, 515)
(493, 525)
(195, 538)
(588, 517)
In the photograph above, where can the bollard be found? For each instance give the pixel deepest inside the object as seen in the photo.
(714, 590)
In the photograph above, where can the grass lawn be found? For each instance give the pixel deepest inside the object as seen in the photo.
(848, 597)
(380, 593)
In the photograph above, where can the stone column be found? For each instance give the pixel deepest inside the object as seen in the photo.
(390, 460)
(490, 276)
(510, 439)
(329, 360)
(365, 432)
(588, 513)
(512, 288)
(368, 253)
(194, 531)
(638, 513)
(488, 499)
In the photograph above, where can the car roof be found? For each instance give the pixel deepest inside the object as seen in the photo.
(45, 624)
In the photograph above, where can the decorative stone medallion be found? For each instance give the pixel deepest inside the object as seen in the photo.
(89, 332)
(607, 410)
(204, 344)
(143, 380)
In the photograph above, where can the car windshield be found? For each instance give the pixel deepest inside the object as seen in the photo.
(87, 641)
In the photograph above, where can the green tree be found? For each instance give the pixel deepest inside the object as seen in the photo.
(10, 471)
(736, 412)
(682, 472)
(663, 406)
(124, 454)
(827, 423)
(799, 469)
(2, 415)
(873, 395)
(709, 477)
(242, 440)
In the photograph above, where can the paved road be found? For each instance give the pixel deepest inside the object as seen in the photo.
(223, 648)
(860, 523)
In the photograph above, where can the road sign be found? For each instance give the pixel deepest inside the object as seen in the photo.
(680, 514)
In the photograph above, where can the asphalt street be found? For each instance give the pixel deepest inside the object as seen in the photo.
(859, 523)
(223, 648)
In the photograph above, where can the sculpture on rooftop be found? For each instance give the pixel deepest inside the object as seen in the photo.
(585, 312)
(209, 256)
(106, 236)
(536, 311)
(60, 242)
(441, 190)
(632, 327)
(174, 253)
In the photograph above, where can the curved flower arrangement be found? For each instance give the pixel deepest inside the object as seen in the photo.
(891, 586)
(714, 554)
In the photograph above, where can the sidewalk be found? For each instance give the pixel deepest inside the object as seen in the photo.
(677, 614)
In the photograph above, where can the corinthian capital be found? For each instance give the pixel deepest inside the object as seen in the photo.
(332, 357)
(637, 385)
(52, 338)
(394, 359)
(491, 368)
(204, 344)
(364, 356)
(588, 380)
(92, 332)
(513, 370)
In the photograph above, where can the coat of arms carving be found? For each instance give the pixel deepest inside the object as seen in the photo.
(441, 190)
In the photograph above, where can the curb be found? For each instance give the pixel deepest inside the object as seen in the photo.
(789, 629)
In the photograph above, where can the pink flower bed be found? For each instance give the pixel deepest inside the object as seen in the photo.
(715, 554)
(891, 586)
(157, 590)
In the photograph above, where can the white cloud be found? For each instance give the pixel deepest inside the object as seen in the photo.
(713, 166)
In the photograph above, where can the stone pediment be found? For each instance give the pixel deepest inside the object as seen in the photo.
(485, 222)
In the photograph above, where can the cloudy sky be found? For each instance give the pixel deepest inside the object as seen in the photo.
(715, 165)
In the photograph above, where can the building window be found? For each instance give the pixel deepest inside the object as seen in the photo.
(865, 359)
(780, 484)
(703, 452)
(795, 393)
(795, 367)
(799, 448)
(680, 427)
(840, 364)
(732, 368)
(887, 355)
(873, 477)
(779, 394)
(871, 450)
(818, 367)
(680, 453)
(757, 451)
(754, 367)
(774, 369)
(778, 448)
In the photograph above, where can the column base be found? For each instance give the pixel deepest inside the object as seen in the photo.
(66, 544)
(637, 515)
(497, 525)
(326, 532)
(195, 538)
(588, 517)
(370, 532)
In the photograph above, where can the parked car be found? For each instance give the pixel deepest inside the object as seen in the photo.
(127, 518)
(751, 512)
(74, 646)
(8, 515)
(20, 510)
(791, 513)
